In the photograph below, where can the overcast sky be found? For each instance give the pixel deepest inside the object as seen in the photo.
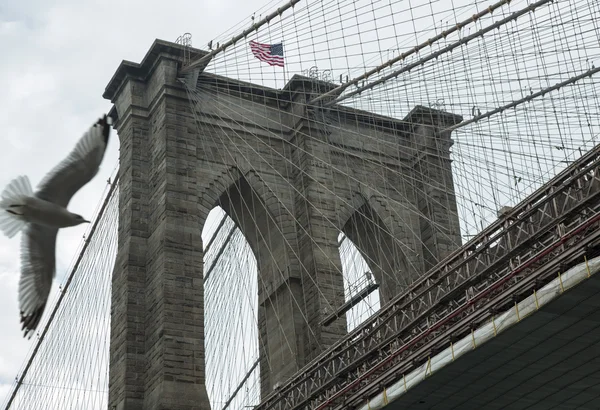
(57, 57)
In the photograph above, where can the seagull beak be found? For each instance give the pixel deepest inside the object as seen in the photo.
(86, 222)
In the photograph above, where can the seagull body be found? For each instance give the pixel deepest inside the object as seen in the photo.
(38, 211)
(41, 214)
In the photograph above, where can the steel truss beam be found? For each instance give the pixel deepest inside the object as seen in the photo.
(546, 232)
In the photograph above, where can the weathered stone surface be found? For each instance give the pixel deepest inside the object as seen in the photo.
(291, 177)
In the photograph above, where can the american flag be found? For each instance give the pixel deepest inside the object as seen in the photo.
(269, 53)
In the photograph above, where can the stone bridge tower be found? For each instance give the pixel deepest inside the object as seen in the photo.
(261, 160)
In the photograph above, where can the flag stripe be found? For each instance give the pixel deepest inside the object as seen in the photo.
(271, 54)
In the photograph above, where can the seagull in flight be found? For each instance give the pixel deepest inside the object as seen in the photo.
(41, 214)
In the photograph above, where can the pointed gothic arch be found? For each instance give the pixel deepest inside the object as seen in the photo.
(376, 244)
(257, 212)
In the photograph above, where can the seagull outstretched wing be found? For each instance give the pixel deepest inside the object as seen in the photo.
(38, 242)
(37, 272)
(80, 166)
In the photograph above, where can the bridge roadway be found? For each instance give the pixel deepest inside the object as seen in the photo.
(548, 360)
(549, 232)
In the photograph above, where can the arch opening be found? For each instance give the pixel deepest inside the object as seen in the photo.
(357, 279)
(368, 236)
(230, 314)
(258, 250)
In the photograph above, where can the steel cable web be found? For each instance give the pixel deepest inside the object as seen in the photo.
(497, 160)
(517, 151)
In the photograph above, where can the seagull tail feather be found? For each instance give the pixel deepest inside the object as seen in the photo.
(12, 202)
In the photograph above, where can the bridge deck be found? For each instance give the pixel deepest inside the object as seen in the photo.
(549, 360)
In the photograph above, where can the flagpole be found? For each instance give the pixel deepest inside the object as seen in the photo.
(284, 66)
